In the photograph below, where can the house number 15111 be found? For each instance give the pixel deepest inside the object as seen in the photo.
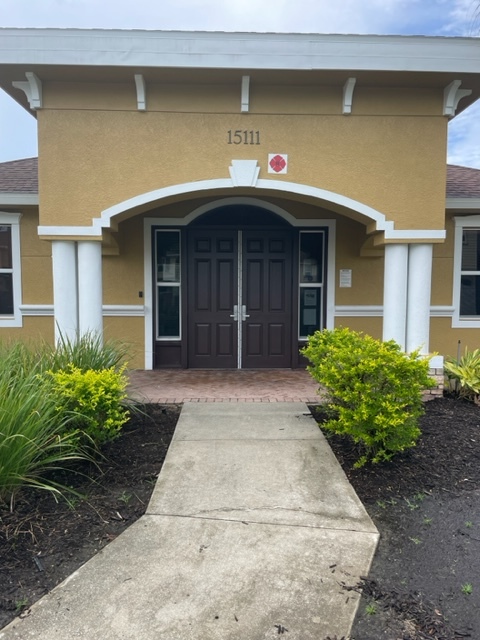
(243, 136)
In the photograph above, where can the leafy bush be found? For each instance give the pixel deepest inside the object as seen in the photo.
(94, 399)
(463, 375)
(373, 390)
(34, 439)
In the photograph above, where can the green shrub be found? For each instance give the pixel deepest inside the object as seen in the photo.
(34, 439)
(373, 390)
(463, 375)
(94, 399)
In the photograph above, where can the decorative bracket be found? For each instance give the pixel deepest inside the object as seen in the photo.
(245, 106)
(348, 88)
(452, 94)
(141, 92)
(244, 173)
(32, 88)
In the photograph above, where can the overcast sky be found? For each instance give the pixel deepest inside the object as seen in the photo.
(409, 17)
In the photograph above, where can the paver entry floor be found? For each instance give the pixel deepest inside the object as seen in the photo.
(223, 385)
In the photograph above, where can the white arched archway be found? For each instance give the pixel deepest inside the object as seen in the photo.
(244, 176)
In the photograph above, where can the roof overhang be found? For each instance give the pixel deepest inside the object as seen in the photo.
(18, 199)
(463, 205)
(415, 60)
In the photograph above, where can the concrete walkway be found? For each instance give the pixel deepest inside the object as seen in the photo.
(251, 532)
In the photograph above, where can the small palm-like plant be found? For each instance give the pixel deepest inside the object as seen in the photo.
(463, 375)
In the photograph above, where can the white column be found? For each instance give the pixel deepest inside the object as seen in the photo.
(64, 259)
(90, 292)
(418, 297)
(395, 293)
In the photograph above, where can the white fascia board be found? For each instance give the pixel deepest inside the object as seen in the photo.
(463, 204)
(18, 199)
(220, 50)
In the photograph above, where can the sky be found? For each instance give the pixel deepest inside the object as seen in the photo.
(389, 17)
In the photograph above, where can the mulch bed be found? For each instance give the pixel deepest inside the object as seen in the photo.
(425, 503)
(426, 506)
(43, 541)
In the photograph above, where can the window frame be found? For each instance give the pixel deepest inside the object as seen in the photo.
(462, 224)
(319, 286)
(13, 220)
(174, 284)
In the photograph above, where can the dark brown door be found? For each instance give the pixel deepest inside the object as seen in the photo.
(212, 294)
(239, 301)
(267, 294)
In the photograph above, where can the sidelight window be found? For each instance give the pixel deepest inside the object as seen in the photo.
(311, 282)
(470, 274)
(168, 284)
(10, 279)
(466, 288)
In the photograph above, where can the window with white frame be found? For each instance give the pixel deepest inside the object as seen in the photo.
(311, 282)
(168, 281)
(466, 291)
(10, 277)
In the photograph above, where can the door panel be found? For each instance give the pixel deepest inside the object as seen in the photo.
(212, 293)
(267, 294)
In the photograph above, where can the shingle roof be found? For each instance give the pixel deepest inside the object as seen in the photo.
(21, 176)
(463, 182)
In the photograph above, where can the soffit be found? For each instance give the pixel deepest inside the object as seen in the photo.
(217, 58)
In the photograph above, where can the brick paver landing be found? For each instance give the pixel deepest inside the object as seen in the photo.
(201, 385)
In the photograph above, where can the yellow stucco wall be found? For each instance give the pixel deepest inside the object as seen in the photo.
(130, 331)
(34, 330)
(37, 280)
(97, 150)
(372, 326)
(444, 339)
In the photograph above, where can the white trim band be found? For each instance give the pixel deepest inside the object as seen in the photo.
(110, 310)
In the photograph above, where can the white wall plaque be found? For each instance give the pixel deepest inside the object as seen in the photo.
(345, 278)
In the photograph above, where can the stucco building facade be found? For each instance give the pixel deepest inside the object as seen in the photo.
(213, 198)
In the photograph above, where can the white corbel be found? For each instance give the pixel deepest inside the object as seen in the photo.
(452, 94)
(32, 88)
(245, 94)
(141, 92)
(348, 88)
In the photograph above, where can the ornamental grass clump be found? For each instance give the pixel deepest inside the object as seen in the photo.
(87, 352)
(34, 439)
(57, 404)
(373, 390)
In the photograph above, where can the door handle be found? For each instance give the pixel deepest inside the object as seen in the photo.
(245, 315)
(234, 315)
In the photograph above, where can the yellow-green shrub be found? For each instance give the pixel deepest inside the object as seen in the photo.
(94, 398)
(373, 390)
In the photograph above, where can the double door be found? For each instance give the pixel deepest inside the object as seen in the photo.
(239, 298)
